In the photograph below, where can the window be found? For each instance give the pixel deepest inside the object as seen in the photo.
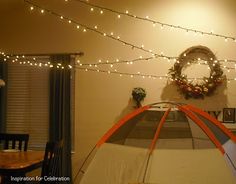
(28, 102)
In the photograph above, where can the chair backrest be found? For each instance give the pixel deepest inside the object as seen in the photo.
(52, 159)
(12, 141)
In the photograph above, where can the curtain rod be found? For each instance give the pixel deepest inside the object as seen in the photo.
(49, 54)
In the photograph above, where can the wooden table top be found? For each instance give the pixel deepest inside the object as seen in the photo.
(22, 161)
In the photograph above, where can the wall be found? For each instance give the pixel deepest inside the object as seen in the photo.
(101, 98)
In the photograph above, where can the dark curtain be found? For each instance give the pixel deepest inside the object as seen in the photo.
(60, 121)
(3, 93)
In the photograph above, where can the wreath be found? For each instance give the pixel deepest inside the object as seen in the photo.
(207, 85)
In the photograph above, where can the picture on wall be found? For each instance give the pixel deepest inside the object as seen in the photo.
(229, 115)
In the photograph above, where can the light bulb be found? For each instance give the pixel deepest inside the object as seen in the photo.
(42, 11)
(31, 8)
(118, 16)
(91, 9)
(101, 12)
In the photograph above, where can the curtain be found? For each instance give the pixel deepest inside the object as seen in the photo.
(60, 121)
(3, 92)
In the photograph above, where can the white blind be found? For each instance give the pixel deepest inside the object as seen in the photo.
(28, 103)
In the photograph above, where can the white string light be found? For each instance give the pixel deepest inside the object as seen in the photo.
(123, 73)
(107, 62)
(85, 28)
(32, 61)
(138, 74)
(101, 33)
(162, 24)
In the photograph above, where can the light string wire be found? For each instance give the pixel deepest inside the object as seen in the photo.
(155, 55)
(126, 13)
(101, 33)
(32, 61)
(43, 9)
(131, 61)
(141, 75)
(124, 73)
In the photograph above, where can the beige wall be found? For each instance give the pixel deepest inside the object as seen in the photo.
(102, 99)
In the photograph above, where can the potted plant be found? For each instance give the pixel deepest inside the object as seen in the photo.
(138, 94)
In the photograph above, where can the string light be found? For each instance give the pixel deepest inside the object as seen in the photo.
(94, 30)
(138, 74)
(123, 73)
(162, 24)
(130, 63)
(35, 63)
(109, 36)
(126, 43)
(32, 61)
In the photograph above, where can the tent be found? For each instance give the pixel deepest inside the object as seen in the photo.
(163, 143)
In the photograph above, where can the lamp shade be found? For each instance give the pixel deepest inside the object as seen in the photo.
(2, 83)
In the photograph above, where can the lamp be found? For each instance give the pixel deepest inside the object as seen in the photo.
(2, 83)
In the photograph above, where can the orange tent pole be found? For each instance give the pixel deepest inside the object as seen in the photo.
(203, 127)
(157, 133)
(120, 123)
(212, 120)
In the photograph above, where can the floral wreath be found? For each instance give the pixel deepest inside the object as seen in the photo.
(208, 84)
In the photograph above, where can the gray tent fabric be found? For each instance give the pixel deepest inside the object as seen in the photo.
(189, 147)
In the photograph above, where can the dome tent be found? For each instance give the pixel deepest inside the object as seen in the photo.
(163, 143)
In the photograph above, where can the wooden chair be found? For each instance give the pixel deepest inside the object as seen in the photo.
(13, 141)
(10, 141)
(52, 159)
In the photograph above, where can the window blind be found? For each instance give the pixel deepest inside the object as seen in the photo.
(28, 103)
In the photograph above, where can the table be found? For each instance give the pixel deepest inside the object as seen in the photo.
(19, 163)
